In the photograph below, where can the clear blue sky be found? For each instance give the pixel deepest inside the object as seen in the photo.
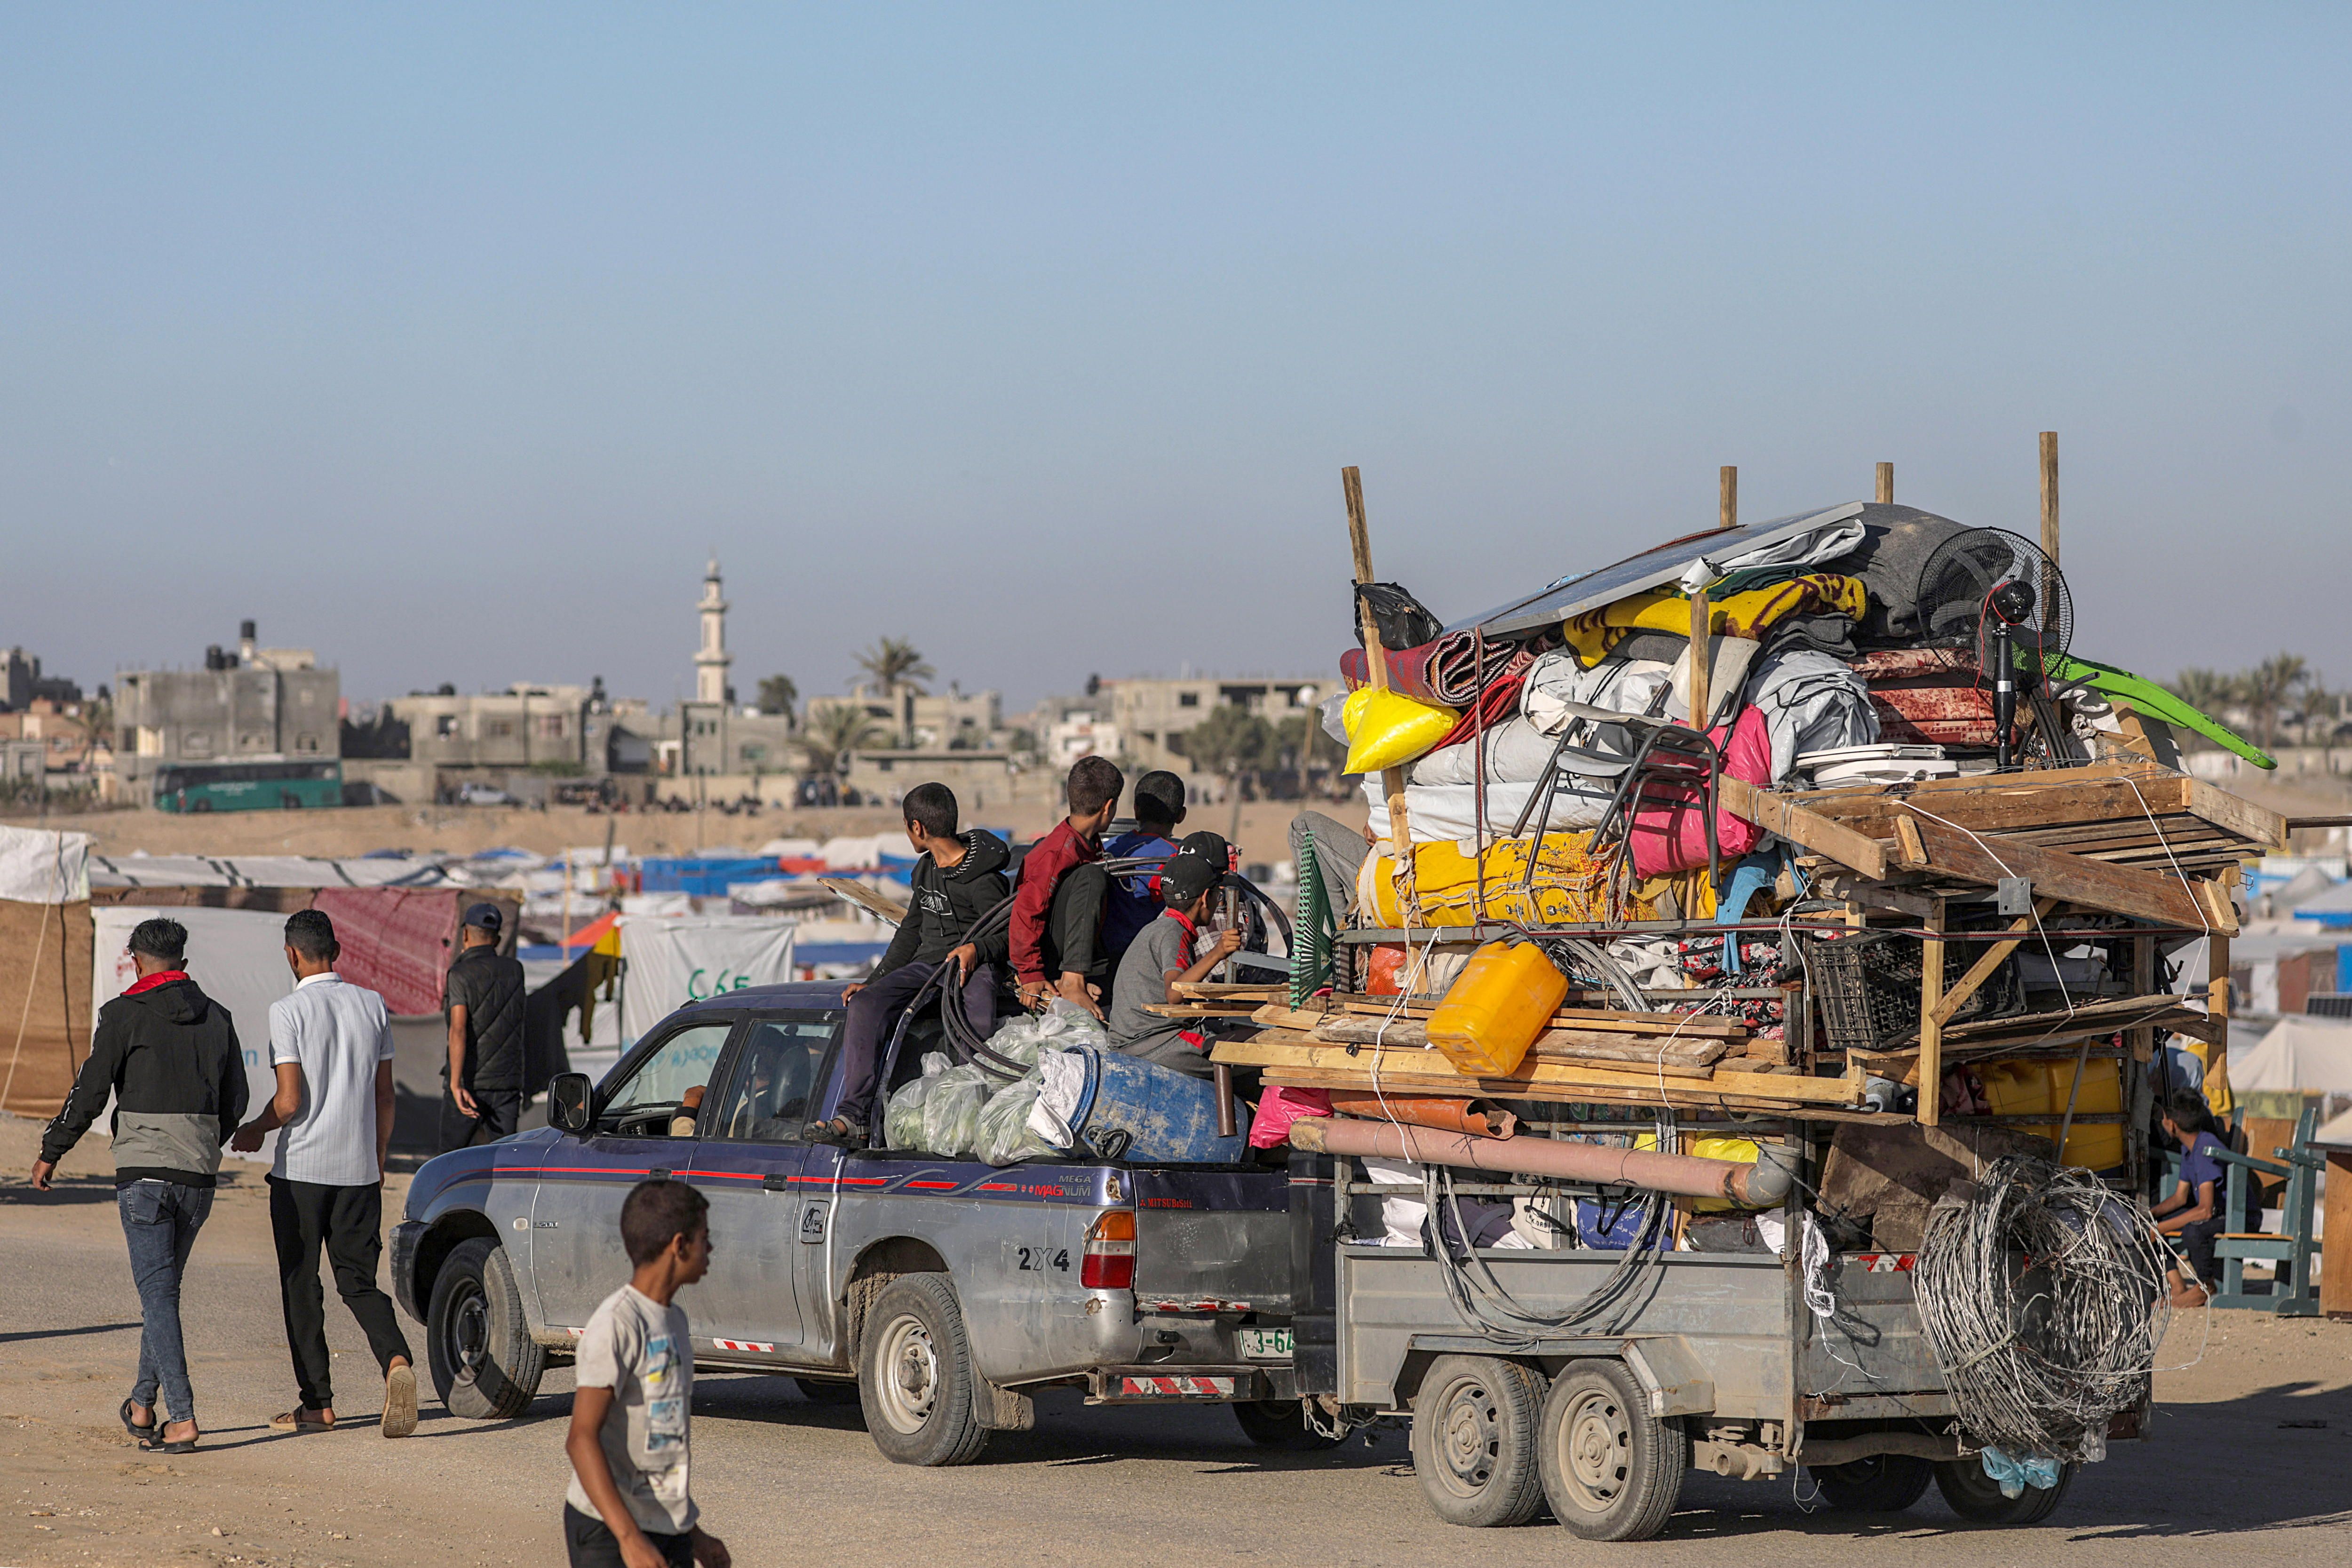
(447, 340)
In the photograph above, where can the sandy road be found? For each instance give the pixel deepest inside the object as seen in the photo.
(2236, 1451)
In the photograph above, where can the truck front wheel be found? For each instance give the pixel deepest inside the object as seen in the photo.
(916, 1380)
(485, 1364)
(1611, 1470)
(1976, 1496)
(1473, 1440)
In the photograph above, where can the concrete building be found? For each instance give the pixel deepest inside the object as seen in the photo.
(1146, 713)
(557, 727)
(255, 704)
(22, 684)
(952, 720)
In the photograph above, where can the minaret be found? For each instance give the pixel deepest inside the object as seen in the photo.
(710, 661)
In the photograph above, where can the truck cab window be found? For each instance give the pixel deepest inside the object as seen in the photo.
(642, 1107)
(770, 1100)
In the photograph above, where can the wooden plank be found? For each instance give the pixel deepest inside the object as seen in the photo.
(1981, 970)
(1782, 814)
(1931, 1022)
(2119, 889)
(1429, 1069)
(2005, 808)
(1608, 1018)
(1688, 1055)
(1692, 1098)
(1376, 666)
(2235, 813)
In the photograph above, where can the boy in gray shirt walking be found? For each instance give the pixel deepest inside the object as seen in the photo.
(629, 1505)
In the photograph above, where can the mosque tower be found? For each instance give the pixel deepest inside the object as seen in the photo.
(710, 660)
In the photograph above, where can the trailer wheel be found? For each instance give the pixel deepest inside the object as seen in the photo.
(1882, 1483)
(485, 1364)
(916, 1379)
(1976, 1496)
(1611, 1470)
(1473, 1440)
(1280, 1423)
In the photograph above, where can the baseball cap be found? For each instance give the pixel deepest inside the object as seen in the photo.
(1193, 869)
(485, 915)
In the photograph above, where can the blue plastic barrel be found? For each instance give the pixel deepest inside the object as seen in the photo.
(1135, 1110)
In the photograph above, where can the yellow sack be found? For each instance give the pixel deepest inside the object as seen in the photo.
(1595, 632)
(1567, 889)
(1388, 730)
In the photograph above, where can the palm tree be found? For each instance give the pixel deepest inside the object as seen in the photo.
(2270, 686)
(2209, 691)
(834, 731)
(896, 661)
(778, 694)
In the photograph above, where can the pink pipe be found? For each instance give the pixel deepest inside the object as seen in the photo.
(1755, 1186)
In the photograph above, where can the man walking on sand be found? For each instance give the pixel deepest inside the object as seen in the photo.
(332, 1046)
(167, 1056)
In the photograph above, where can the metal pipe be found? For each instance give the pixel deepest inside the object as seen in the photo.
(1758, 1185)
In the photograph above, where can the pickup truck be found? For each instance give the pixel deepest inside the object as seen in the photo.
(938, 1293)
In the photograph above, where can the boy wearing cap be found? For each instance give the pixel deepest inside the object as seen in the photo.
(1160, 959)
(482, 1089)
(1133, 900)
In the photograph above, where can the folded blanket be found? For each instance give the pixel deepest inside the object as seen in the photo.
(1595, 632)
(1445, 672)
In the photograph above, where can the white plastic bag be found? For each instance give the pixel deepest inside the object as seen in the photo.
(952, 1111)
(902, 1119)
(1004, 1135)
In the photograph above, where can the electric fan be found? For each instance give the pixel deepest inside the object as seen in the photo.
(1998, 596)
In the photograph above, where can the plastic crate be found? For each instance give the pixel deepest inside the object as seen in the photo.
(1867, 986)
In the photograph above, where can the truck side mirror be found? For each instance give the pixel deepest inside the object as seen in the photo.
(569, 1098)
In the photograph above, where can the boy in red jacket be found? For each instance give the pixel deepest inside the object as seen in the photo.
(1057, 935)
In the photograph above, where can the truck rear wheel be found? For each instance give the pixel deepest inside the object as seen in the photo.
(916, 1380)
(1976, 1496)
(1280, 1423)
(1883, 1483)
(485, 1364)
(1473, 1440)
(1611, 1470)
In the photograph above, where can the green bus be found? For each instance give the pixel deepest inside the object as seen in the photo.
(249, 786)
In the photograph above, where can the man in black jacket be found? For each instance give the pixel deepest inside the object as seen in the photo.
(956, 880)
(168, 1055)
(481, 1097)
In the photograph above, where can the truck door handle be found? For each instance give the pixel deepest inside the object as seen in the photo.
(776, 1184)
(657, 1176)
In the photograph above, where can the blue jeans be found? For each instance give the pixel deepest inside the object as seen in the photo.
(160, 1221)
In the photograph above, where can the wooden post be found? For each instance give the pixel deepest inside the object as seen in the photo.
(2217, 1007)
(1376, 665)
(2050, 495)
(1728, 498)
(1886, 484)
(1931, 1032)
(1699, 633)
(2336, 1262)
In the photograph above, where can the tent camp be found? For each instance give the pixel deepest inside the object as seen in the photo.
(2298, 1055)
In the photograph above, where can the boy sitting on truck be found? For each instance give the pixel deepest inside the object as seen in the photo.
(956, 880)
(1057, 913)
(1160, 959)
(1133, 900)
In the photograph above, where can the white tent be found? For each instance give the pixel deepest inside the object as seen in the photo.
(259, 872)
(237, 956)
(674, 960)
(2298, 1054)
(37, 867)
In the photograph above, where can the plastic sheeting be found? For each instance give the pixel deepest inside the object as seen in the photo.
(673, 961)
(37, 867)
(397, 941)
(1810, 702)
(259, 872)
(2298, 1054)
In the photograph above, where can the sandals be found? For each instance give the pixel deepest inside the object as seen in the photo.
(295, 1421)
(162, 1445)
(144, 1436)
(836, 1131)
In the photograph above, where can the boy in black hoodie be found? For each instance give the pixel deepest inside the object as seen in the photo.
(956, 880)
(167, 1054)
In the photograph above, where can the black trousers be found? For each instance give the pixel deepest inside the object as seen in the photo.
(1074, 942)
(590, 1542)
(874, 1013)
(348, 1222)
(501, 1110)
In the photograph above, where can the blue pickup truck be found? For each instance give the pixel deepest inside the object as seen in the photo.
(939, 1293)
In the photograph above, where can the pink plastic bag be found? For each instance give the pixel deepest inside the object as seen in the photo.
(1670, 833)
(1280, 1106)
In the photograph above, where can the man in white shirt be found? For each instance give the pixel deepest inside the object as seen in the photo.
(332, 1046)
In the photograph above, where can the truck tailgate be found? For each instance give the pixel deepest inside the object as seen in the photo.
(1209, 1240)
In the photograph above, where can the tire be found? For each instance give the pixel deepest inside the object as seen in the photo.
(1280, 1423)
(1976, 1496)
(1883, 1483)
(1611, 1470)
(485, 1364)
(1474, 1425)
(915, 1376)
(818, 1390)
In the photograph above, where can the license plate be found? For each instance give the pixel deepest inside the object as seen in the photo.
(1266, 1344)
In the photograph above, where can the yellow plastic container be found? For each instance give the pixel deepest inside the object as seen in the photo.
(1495, 1007)
(2040, 1088)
